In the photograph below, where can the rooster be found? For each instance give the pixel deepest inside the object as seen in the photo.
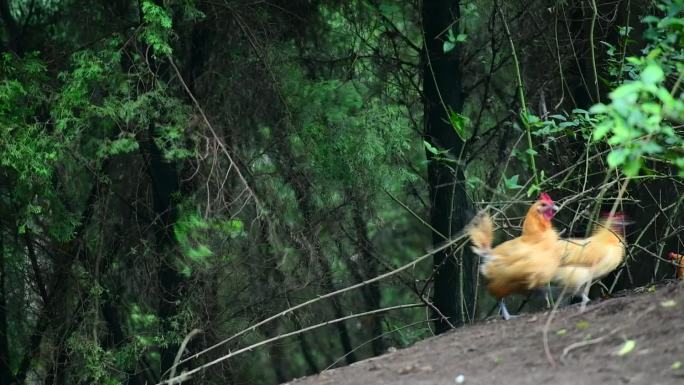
(588, 259)
(521, 264)
(678, 261)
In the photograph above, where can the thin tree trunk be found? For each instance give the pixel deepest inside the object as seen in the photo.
(450, 208)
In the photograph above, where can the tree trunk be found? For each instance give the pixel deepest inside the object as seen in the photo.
(299, 184)
(5, 372)
(371, 292)
(450, 208)
(12, 28)
(164, 178)
(306, 349)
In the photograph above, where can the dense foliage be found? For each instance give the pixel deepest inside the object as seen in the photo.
(173, 172)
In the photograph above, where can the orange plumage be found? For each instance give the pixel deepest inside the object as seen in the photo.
(523, 263)
(678, 260)
(588, 259)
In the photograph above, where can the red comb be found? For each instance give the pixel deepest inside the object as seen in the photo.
(545, 197)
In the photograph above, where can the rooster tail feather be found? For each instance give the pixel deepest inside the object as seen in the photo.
(481, 233)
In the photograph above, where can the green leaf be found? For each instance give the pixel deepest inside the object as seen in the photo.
(632, 167)
(652, 74)
(626, 348)
(531, 118)
(458, 123)
(512, 183)
(616, 157)
(447, 46)
(668, 303)
(600, 131)
(627, 91)
(430, 148)
(651, 147)
(599, 108)
(199, 253)
(461, 37)
(473, 181)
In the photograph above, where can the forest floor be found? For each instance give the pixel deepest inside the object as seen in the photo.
(586, 348)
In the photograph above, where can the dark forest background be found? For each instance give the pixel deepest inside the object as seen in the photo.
(173, 172)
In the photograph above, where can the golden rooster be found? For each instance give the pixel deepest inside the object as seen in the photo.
(588, 259)
(521, 264)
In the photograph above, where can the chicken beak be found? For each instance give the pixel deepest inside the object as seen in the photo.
(555, 208)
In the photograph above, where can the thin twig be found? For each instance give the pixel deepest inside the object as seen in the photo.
(219, 141)
(521, 95)
(186, 340)
(325, 296)
(596, 340)
(593, 48)
(186, 375)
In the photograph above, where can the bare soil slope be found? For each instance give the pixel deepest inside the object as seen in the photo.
(584, 346)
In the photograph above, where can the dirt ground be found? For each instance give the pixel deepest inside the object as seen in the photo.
(584, 346)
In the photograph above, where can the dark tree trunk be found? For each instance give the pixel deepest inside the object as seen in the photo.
(299, 184)
(449, 211)
(55, 310)
(5, 372)
(12, 28)
(329, 287)
(267, 272)
(164, 178)
(371, 292)
(306, 350)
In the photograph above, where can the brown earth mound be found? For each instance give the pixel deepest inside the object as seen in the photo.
(634, 339)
